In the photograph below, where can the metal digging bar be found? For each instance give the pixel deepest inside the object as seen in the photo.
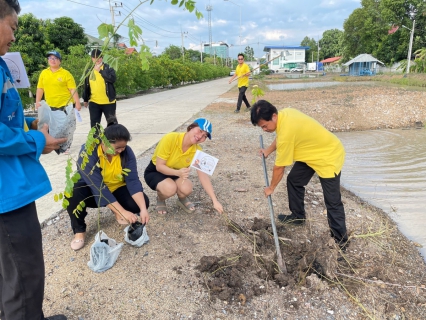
(281, 265)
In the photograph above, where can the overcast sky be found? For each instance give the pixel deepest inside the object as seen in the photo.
(263, 22)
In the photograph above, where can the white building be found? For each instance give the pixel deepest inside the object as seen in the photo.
(286, 57)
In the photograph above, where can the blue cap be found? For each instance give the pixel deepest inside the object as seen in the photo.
(54, 53)
(205, 125)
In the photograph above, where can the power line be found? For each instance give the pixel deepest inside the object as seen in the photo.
(128, 12)
(87, 5)
(146, 21)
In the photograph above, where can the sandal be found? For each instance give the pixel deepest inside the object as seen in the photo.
(186, 205)
(77, 244)
(161, 206)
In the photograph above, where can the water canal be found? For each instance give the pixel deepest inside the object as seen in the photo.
(387, 168)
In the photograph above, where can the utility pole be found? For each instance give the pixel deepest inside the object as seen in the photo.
(201, 51)
(318, 58)
(209, 9)
(183, 48)
(111, 9)
(410, 46)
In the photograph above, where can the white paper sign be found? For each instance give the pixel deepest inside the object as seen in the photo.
(17, 69)
(78, 115)
(204, 162)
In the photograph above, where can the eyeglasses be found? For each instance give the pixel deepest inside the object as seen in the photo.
(240, 58)
(52, 58)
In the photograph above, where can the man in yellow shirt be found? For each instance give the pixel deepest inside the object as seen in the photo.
(57, 85)
(243, 73)
(313, 149)
(99, 91)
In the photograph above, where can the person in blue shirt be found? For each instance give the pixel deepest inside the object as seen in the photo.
(22, 181)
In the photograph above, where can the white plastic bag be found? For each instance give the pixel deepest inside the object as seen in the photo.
(103, 252)
(61, 123)
(139, 242)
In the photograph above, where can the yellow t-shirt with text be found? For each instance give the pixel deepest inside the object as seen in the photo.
(170, 149)
(56, 86)
(302, 138)
(241, 70)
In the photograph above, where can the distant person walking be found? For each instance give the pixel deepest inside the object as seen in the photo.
(23, 181)
(57, 85)
(99, 91)
(243, 73)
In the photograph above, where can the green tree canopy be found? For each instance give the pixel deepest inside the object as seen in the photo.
(64, 33)
(331, 43)
(248, 54)
(31, 42)
(173, 52)
(312, 53)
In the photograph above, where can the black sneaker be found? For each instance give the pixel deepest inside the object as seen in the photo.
(236, 111)
(57, 317)
(291, 218)
(342, 244)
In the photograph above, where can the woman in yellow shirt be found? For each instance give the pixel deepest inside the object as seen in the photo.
(103, 184)
(168, 170)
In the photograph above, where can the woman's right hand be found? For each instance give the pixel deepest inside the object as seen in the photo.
(184, 173)
(130, 216)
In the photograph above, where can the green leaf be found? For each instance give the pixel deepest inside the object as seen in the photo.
(104, 30)
(135, 32)
(56, 198)
(127, 170)
(61, 196)
(65, 202)
(174, 2)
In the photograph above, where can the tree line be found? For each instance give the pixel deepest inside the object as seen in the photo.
(35, 37)
(366, 30)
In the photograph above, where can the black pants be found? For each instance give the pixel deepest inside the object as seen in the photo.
(242, 97)
(21, 265)
(83, 192)
(96, 110)
(298, 178)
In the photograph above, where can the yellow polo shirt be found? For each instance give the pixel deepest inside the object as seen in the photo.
(302, 138)
(170, 149)
(56, 86)
(239, 71)
(110, 170)
(98, 89)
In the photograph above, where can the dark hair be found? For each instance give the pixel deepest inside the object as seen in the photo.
(241, 54)
(192, 126)
(96, 53)
(116, 132)
(7, 7)
(262, 110)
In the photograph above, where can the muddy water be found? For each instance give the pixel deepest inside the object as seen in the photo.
(387, 168)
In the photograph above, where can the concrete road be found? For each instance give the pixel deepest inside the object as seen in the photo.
(147, 117)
